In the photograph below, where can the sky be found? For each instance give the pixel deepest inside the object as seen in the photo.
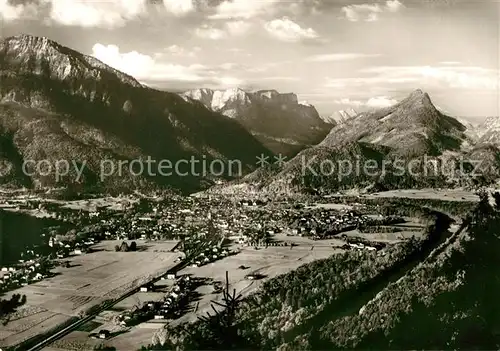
(334, 54)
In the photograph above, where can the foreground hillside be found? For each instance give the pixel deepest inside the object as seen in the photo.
(58, 104)
(408, 145)
(279, 121)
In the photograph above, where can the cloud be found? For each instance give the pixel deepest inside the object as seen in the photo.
(231, 28)
(9, 12)
(208, 32)
(238, 27)
(230, 66)
(460, 77)
(380, 101)
(133, 63)
(280, 78)
(365, 12)
(242, 9)
(369, 12)
(375, 102)
(265, 67)
(361, 82)
(153, 72)
(340, 57)
(454, 77)
(179, 7)
(176, 50)
(230, 81)
(348, 101)
(285, 29)
(106, 14)
(393, 5)
(450, 63)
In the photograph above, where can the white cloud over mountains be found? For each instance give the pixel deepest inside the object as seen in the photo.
(211, 33)
(375, 102)
(459, 77)
(147, 69)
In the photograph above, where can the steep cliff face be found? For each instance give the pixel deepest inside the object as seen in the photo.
(488, 132)
(231, 103)
(25, 57)
(54, 98)
(276, 97)
(279, 121)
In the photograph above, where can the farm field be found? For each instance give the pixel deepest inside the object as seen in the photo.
(138, 299)
(92, 279)
(123, 338)
(408, 229)
(165, 246)
(269, 262)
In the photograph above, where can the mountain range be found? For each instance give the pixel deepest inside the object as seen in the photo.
(279, 121)
(340, 116)
(410, 144)
(58, 104)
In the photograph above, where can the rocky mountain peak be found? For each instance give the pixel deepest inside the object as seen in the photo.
(221, 98)
(44, 57)
(340, 116)
(270, 93)
(419, 97)
(27, 42)
(275, 96)
(278, 120)
(59, 104)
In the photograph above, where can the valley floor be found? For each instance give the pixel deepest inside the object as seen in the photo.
(104, 275)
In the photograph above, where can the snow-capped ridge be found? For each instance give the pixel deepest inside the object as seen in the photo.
(340, 116)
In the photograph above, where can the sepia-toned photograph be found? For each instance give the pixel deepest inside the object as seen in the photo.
(249, 175)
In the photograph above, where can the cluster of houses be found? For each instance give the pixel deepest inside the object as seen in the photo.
(66, 249)
(22, 274)
(171, 304)
(210, 255)
(173, 299)
(356, 243)
(167, 220)
(184, 218)
(261, 235)
(325, 224)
